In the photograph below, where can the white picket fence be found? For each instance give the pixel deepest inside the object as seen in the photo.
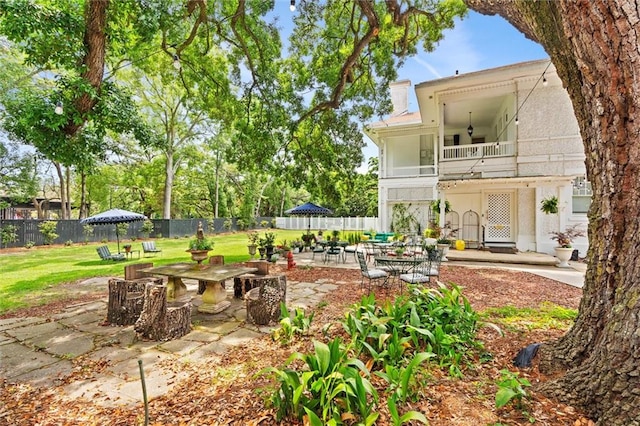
(327, 223)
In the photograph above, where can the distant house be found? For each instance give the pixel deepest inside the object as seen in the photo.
(492, 143)
(37, 208)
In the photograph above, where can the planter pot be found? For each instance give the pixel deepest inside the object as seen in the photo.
(252, 250)
(262, 251)
(445, 249)
(563, 254)
(199, 255)
(269, 252)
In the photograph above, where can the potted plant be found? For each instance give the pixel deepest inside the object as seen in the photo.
(565, 240)
(253, 243)
(127, 248)
(199, 246)
(261, 248)
(443, 244)
(549, 205)
(284, 248)
(269, 241)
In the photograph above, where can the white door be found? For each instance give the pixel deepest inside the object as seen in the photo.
(499, 226)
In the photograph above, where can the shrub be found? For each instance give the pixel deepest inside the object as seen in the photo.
(87, 231)
(8, 234)
(48, 231)
(29, 244)
(146, 228)
(68, 243)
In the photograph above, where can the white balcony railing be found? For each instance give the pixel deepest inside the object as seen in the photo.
(412, 171)
(479, 150)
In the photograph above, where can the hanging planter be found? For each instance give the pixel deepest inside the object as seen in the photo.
(549, 205)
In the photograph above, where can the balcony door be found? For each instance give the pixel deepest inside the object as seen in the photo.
(500, 217)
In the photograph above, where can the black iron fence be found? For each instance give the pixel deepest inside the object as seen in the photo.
(27, 232)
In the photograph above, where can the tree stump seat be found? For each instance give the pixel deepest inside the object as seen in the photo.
(161, 320)
(244, 283)
(126, 299)
(132, 272)
(263, 302)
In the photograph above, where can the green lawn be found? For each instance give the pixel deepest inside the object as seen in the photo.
(24, 274)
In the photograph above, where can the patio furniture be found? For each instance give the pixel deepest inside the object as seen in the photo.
(105, 254)
(263, 302)
(126, 299)
(160, 319)
(415, 276)
(333, 251)
(431, 268)
(150, 247)
(372, 275)
(132, 272)
(317, 249)
(213, 260)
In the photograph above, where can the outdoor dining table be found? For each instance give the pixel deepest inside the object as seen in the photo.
(214, 298)
(398, 264)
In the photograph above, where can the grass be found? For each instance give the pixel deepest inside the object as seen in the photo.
(547, 316)
(28, 275)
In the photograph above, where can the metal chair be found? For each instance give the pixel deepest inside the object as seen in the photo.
(371, 274)
(416, 275)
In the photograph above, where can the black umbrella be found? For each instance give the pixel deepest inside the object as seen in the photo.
(309, 209)
(114, 217)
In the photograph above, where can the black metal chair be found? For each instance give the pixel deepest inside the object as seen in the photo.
(375, 275)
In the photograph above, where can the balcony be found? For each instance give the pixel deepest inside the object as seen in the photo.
(411, 171)
(479, 150)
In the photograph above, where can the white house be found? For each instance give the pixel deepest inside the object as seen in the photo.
(494, 144)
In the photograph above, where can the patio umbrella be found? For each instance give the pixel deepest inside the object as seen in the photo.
(114, 216)
(309, 209)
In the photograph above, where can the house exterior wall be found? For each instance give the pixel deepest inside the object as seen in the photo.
(545, 151)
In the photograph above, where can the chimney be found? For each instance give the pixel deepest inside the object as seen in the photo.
(400, 97)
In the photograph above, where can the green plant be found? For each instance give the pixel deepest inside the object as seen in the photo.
(242, 224)
(133, 238)
(290, 327)
(146, 228)
(87, 231)
(29, 244)
(435, 207)
(269, 239)
(443, 240)
(511, 388)
(48, 231)
(330, 386)
(201, 244)
(565, 239)
(264, 223)
(68, 243)
(8, 234)
(549, 205)
(122, 228)
(406, 417)
(335, 234)
(253, 238)
(228, 224)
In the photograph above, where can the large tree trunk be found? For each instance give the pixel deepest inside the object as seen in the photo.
(63, 193)
(168, 186)
(594, 46)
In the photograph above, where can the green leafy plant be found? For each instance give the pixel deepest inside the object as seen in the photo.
(253, 238)
(48, 231)
(123, 228)
(68, 243)
(146, 228)
(201, 244)
(29, 244)
(299, 325)
(8, 234)
(330, 386)
(269, 239)
(87, 231)
(511, 388)
(228, 224)
(549, 205)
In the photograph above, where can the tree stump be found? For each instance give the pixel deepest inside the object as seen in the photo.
(126, 300)
(243, 283)
(263, 302)
(213, 260)
(160, 320)
(261, 265)
(132, 272)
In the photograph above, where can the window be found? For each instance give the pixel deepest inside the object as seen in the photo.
(581, 195)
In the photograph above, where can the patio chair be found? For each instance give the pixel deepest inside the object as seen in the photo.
(431, 268)
(375, 275)
(416, 275)
(150, 247)
(317, 249)
(334, 251)
(105, 254)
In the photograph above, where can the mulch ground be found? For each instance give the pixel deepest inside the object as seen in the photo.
(228, 391)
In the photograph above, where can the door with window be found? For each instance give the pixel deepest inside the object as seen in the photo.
(500, 217)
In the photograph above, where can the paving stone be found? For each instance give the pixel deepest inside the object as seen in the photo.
(81, 308)
(4, 339)
(33, 330)
(105, 392)
(180, 347)
(240, 315)
(204, 351)
(64, 342)
(114, 354)
(49, 375)
(220, 328)
(306, 285)
(11, 323)
(17, 359)
(201, 336)
(150, 360)
(83, 318)
(239, 337)
(326, 288)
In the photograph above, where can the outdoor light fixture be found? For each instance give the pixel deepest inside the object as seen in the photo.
(470, 128)
(544, 80)
(58, 109)
(293, 6)
(176, 62)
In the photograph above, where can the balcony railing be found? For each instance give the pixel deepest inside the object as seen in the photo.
(412, 171)
(479, 150)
